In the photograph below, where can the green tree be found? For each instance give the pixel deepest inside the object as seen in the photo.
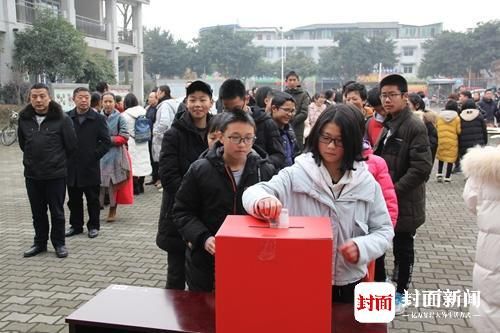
(300, 63)
(97, 68)
(356, 55)
(485, 45)
(227, 51)
(163, 54)
(52, 46)
(449, 54)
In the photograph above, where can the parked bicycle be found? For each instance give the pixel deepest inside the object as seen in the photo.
(8, 135)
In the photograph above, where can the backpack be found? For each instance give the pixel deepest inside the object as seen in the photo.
(142, 129)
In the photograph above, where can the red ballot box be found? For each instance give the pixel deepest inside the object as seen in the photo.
(273, 280)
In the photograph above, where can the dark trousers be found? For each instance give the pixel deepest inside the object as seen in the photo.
(51, 193)
(344, 294)
(449, 168)
(154, 175)
(75, 204)
(380, 275)
(176, 268)
(404, 257)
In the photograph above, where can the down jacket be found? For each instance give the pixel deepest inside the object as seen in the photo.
(482, 197)
(448, 128)
(473, 130)
(208, 194)
(355, 206)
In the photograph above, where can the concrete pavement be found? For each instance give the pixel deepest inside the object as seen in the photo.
(36, 294)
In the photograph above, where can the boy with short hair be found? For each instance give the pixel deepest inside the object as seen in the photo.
(227, 170)
(282, 112)
(233, 95)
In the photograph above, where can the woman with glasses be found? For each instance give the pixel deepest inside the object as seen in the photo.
(282, 112)
(331, 179)
(212, 189)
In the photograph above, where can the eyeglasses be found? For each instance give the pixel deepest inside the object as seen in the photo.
(391, 96)
(327, 140)
(238, 139)
(289, 111)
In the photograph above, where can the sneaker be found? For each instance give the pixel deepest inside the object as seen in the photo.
(400, 306)
(457, 169)
(447, 180)
(439, 178)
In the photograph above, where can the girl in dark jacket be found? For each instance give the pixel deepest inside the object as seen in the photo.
(473, 128)
(212, 189)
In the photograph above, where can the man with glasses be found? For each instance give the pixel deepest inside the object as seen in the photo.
(282, 112)
(405, 147)
(233, 96)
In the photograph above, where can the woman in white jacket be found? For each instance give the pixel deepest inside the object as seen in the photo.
(482, 197)
(139, 152)
(332, 180)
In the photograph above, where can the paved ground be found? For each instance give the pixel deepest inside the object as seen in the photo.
(36, 294)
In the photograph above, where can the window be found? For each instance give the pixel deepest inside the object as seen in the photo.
(408, 51)
(407, 68)
(259, 36)
(269, 52)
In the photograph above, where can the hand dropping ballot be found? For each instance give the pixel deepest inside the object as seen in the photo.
(282, 222)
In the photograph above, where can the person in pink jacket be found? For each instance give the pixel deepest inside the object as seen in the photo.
(379, 170)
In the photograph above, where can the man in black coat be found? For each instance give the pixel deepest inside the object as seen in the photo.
(84, 176)
(47, 138)
(302, 101)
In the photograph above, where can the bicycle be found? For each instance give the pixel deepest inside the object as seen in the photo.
(8, 135)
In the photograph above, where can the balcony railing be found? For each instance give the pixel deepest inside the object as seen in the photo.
(91, 27)
(126, 36)
(27, 13)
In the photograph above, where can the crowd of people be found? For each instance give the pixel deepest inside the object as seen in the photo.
(360, 157)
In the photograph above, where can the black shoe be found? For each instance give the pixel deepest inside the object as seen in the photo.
(72, 231)
(61, 251)
(150, 182)
(93, 233)
(34, 250)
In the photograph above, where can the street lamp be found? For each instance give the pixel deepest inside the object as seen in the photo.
(282, 59)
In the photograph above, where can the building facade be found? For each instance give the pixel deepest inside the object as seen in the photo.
(106, 31)
(312, 39)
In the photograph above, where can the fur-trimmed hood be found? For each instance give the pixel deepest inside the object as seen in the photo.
(483, 162)
(427, 116)
(55, 111)
(448, 115)
(469, 114)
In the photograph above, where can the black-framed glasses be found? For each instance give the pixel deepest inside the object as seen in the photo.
(326, 139)
(245, 139)
(289, 111)
(391, 96)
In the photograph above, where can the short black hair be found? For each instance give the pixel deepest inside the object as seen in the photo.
(101, 87)
(80, 89)
(356, 86)
(417, 101)
(118, 98)
(261, 95)
(346, 84)
(40, 85)
(395, 80)
(292, 73)
(236, 115)
(95, 98)
(201, 86)
(469, 104)
(373, 97)
(466, 93)
(215, 123)
(280, 98)
(108, 93)
(451, 105)
(329, 93)
(130, 101)
(232, 88)
(346, 117)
